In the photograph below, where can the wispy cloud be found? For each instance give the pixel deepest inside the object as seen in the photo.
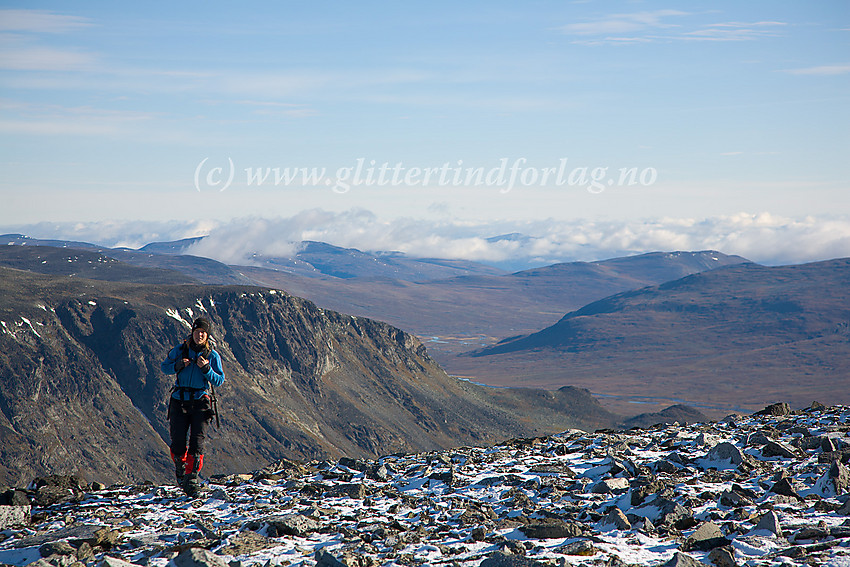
(734, 31)
(40, 21)
(51, 120)
(272, 108)
(667, 25)
(821, 70)
(618, 24)
(21, 35)
(34, 58)
(760, 237)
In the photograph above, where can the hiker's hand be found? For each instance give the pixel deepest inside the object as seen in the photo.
(201, 361)
(181, 364)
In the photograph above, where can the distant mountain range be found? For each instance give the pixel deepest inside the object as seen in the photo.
(658, 329)
(419, 295)
(736, 337)
(319, 259)
(459, 313)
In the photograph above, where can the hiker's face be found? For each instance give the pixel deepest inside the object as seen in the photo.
(200, 336)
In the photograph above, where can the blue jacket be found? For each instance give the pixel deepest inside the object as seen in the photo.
(195, 380)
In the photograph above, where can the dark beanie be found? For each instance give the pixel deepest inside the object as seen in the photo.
(201, 323)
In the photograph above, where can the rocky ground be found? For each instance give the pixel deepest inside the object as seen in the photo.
(764, 489)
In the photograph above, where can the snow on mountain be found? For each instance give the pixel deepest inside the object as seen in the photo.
(765, 489)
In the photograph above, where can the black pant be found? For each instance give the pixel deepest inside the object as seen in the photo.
(189, 417)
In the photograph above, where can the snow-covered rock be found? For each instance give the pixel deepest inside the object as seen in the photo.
(526, 503)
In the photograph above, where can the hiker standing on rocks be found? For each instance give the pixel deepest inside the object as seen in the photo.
(190, 409)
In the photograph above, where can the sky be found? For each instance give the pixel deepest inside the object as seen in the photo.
(594, 129)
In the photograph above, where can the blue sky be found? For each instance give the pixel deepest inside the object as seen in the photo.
(123, 122)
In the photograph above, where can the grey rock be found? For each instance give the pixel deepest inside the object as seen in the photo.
(246, 542)
(665, 466)
(644, 488)
(839, 477)
(553, 529)
(777, 409)
(785, 488)
(682, 560)
(722, 557)
(725, 452)
(199, 557)
(477, 514)
(325, 559)
(501, 560)
(676, 457)
(354, 490)
(610, 485)
(77, 532)
(56, 548)
(51, 495)
(108, 561)
(733, 498)
(770, 521)
(378, 472)
(706, 537)
(705, 440)
(808, 443)
(810, 533)
(842, 455)
(582, 547)
(85, 551)
(58, 489)
(12, 516)
(664, 510)
(758, 439)
(72, 482)
(14, 497)
(643, 524)
(355, 464)
(293, 525)
(220, 494)
(830, 444)
(778, 449)
(446, 477)
(618, 519)
(478, 534)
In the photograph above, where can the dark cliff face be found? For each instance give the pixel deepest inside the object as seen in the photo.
(81, 388)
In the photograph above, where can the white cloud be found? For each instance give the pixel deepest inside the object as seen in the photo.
(113, 234)
(20, 33)
(44, 59)
(762, 237)
(734, 31)
(821, 70)
(623, 23)
(55, 120)
(40, 21)
(643, 27)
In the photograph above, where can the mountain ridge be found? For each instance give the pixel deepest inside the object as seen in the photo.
(301, 381)
(742, 334)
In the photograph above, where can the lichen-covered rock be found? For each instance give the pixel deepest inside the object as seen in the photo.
(14, 516)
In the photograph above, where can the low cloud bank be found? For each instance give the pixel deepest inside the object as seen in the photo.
(762, 237)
